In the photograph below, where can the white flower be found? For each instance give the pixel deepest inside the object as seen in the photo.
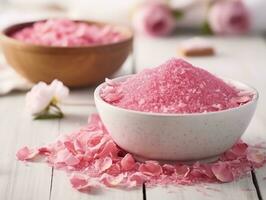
(42, 97)
(38, 98)
(59, 90)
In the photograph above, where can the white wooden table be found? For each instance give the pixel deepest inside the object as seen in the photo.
(238, 58)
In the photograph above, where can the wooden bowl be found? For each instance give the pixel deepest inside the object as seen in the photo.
(74, 66)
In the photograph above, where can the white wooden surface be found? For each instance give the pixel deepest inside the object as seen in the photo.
(17, 180)
(238, 58)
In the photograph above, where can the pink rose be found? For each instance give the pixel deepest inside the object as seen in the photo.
(229, 17)
(154, 19)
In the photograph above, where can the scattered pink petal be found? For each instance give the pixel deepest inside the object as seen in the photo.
(239, 149)
(151, 168)
(114, 170)
(256, 157)
(222, 172)
(110, 149)
(182, 170)
(64, 156)
(138, 177)
(128, 162)
(92, 158)
(81, 182)
(169, 169)
(26, 154)
(112, 181)
(44, 151)
(103, 164)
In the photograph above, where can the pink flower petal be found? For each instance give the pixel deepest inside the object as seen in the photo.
(169, 169)
(114, 170)
(256, 157)
(103, 164)
(112, 181)
(81, 182)
(110, 149)
(64, 156)
(182, 170)
(138, 177)
(44, 151)
(26, 154)
(239, 149)
(128, 162)
(222, 172)
(151, 168)
(93, 159)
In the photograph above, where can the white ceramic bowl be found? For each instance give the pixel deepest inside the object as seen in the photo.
(183, 137)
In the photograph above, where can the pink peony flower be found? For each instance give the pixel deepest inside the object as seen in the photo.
(229, 17)
(154, 19)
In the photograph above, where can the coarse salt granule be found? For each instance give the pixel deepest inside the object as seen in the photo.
(174, 87)
(64, 32)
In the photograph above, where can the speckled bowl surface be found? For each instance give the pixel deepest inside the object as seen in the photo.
(183, 137)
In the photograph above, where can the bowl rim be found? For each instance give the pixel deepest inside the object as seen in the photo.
(4, 36)
(121, 78)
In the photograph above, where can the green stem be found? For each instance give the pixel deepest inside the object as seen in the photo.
(205, 28)
(48, 113)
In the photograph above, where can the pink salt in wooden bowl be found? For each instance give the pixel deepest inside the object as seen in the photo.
(171, 137)
(76, 66)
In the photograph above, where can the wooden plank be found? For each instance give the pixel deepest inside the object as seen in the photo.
(261, 180)
(238, 58)
(76, 117)
(242, 189)
(18, 180)
(254, 60)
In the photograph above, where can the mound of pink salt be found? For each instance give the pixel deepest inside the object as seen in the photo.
(92, 159)
(67, 33)
(174, 87)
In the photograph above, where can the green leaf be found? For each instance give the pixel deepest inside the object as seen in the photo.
(178, 14)
(49, 116)
(206, 29)
(52, 112)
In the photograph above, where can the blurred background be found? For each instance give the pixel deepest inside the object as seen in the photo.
(188, 13)
(150, 20)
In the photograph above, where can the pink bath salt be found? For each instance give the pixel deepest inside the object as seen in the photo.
(68, 33)
(174, 87)
(92, 160)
